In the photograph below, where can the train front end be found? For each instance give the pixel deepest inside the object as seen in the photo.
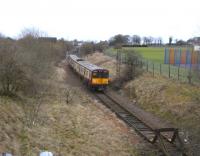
(100, 79)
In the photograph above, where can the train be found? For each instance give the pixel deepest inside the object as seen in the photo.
(95, 77)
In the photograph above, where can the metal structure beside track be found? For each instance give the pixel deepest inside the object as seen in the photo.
(166, 140)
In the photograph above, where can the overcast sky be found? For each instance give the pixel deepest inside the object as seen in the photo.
(101, 19)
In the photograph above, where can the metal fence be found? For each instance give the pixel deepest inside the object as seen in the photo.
(183, 73)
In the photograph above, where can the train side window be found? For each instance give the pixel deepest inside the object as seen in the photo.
(90, 74)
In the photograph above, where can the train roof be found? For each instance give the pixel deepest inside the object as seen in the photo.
(75, 58)
(85, 64)
(89, 66)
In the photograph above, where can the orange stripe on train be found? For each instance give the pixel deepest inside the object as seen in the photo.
(100, 81)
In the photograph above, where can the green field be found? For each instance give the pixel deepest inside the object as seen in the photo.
(154, 54)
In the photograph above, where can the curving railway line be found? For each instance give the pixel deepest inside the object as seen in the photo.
(166, 140)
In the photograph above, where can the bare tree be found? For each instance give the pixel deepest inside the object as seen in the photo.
(170, 40)
(133, 65)
(32, 111)
(133, 68)
(32, 32)
(136, 40)
(87, 48)
(119, 39)
(145, 40)
(27, 62)
(12, 77)
(101, 46)
(160, 41)
(69, 94)
(150, 40)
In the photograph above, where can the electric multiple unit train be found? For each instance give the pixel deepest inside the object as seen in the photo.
(95, 77)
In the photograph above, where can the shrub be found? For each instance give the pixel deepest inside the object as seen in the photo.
(12, 77)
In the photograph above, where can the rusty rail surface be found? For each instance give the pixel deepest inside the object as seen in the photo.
(167, 140)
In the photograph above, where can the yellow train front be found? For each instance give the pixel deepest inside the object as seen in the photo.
(99, 79)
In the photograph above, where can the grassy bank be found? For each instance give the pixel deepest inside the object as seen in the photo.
(76, 128)
(172, 101)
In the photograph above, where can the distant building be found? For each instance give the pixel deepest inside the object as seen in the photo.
(194, 41)
(77, 43)
(49, 39)
(196, 47)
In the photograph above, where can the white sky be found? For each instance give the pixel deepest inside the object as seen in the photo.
(101, 19)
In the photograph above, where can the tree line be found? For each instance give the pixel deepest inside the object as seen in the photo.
(137, 40)
(134, 40)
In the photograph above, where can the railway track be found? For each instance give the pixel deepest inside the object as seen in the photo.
(166, 140)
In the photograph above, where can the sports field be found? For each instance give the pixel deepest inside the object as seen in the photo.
(154, 54)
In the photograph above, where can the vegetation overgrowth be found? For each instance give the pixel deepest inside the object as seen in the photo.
(40, 109)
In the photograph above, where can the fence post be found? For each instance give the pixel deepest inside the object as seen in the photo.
(160, 69)
(153, 69)
(141, 64)
(190, 76)
(169, 71)
(178, 71)
(147, 66)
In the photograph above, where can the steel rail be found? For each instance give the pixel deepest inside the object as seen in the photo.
(154, 136)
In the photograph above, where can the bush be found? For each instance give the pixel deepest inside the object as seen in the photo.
(87, 48)
(69, 94)
(132, 69)
(26, 64)
(133, 65)
(12, 77)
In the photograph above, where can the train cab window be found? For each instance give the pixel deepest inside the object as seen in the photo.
(104, 74)
(100, 74)
(95, 74)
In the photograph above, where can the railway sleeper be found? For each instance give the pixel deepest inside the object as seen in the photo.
(146, 130)
(142, 127)
(151, 136)
(132, 117)
(124, 114)
(136, 124)
(164, 137)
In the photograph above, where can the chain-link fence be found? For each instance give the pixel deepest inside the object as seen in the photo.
(184, 73)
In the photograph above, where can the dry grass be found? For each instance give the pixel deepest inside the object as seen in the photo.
(105, 62)
(11, 116)
(79, 128)
(173, 101)
(164, 93)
